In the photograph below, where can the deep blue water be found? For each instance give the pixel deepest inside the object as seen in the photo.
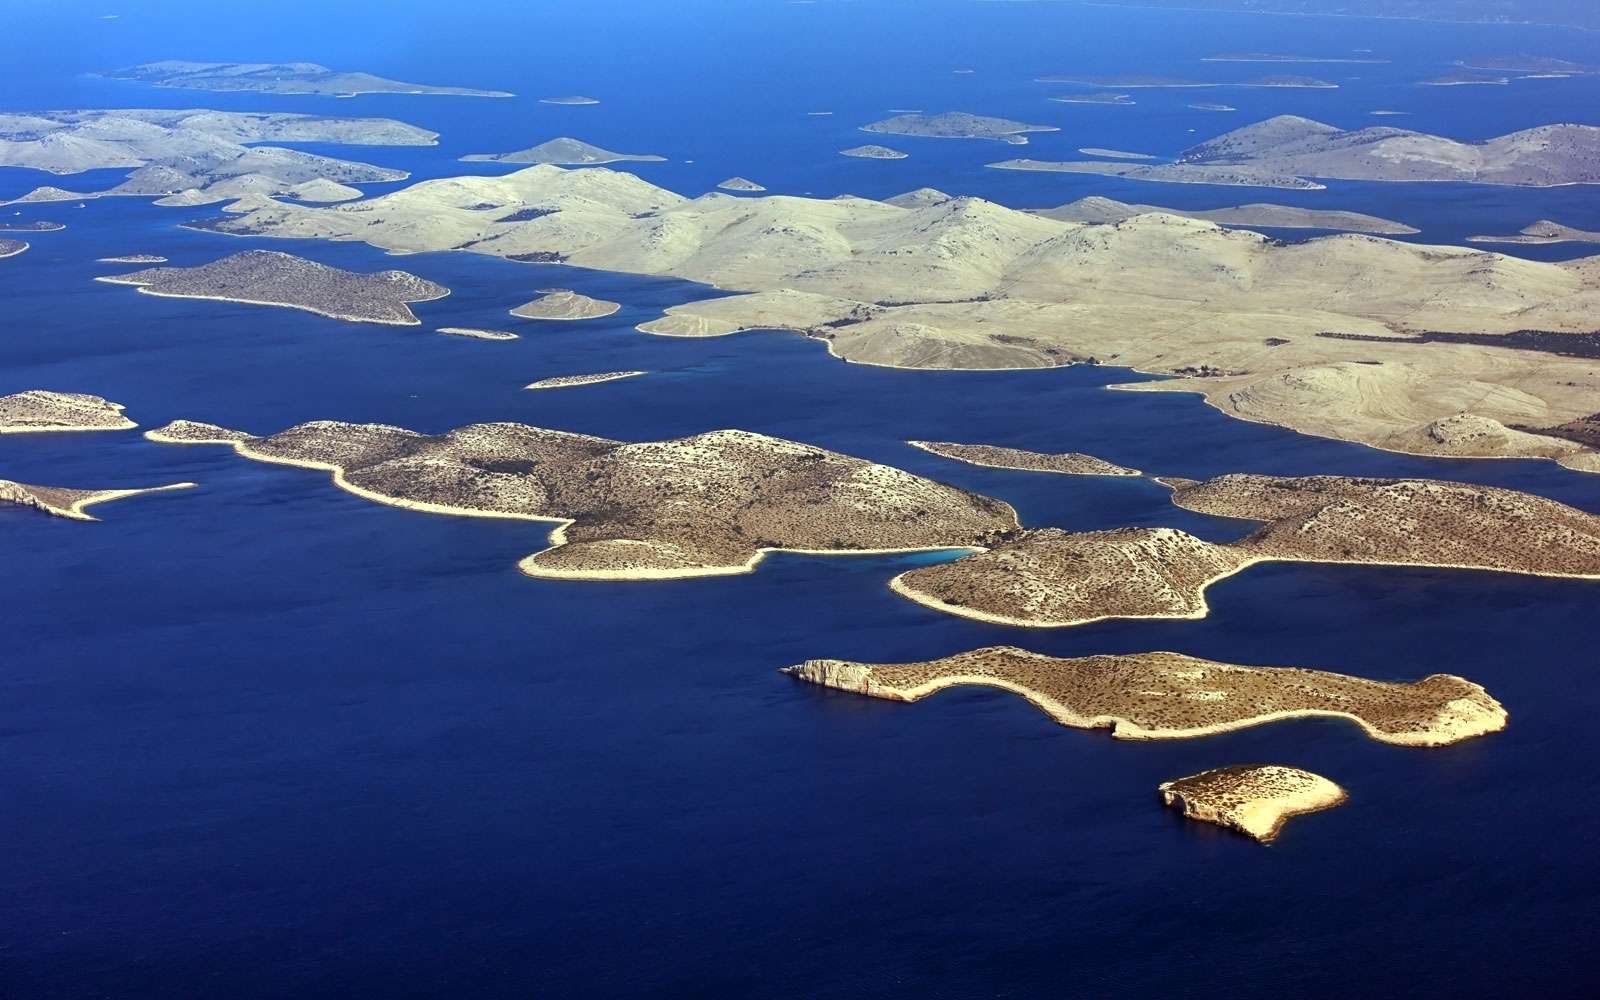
(264, 738)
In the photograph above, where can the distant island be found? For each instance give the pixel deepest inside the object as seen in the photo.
(1256, 801)
(1169, 696)
(1121, 100)
(271, 278)
(1212, 106)
(1052, 578)
(1259, 215)
(740, 184)
(958, 125)
(1530, 64)
(565, 304)
(573, 100)
(473, 333)
(1288, 150)
(40, 226)
(59, 501)
(873, 153)
(1168, 173)
(10, 248)
(1572, 13)
(566, 152)
(41, 410)
(187, 152)
(1289, 82)
(570, 381)
(133, 258)
(279, 78)
(708, 505)
(1275, 57)
(1071, 463)
(1543, 231)
(1466, 80)
(1131, 82)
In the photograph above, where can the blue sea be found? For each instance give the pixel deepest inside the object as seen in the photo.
(265, 739)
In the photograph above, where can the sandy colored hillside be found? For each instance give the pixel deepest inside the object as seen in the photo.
(41, 410)
(1253, 216)
(1342, 336)
(1256, 800)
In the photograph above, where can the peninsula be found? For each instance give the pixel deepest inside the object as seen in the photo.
(958, 125)
(1053, 578)
(1070, 463)
(272, 278)
(280, 78)
(871, 152)
(59, 501)
(931, 281)
(1256, 801)
(566, 152)
(570, 381)
(1168, 173)
(563, 304)
(40, 410)
(1257, 215)
(1167, 696)
(707, 505)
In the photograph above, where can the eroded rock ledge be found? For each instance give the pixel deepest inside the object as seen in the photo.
(1163, 695)
(706, 505)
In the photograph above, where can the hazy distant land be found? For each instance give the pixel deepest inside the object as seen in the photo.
(40, 226)
(279, 78)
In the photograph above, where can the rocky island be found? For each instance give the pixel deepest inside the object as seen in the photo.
(1289, 82)
(565, 305)
(873, 153)
(1466, 79)
(40, 410)
(40, 226)
(1257, 215)
(1255, 800)
(133, 258)
(958, 125)
(1071, 463)
(474, 333)
(1114, 154)
(280, 78)
(707, 505)
(575, 100)
(570, 381)
(59, 501)
(1543, 231)
(271, 278)
(1211, 106)
(1054, 578)
(1276, 57)
(1169, 696)
(1134, 82)
(10, 248)
(741, 184)
(566, 152)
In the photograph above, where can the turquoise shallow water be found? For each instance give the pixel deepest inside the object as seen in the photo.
(265, 738)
